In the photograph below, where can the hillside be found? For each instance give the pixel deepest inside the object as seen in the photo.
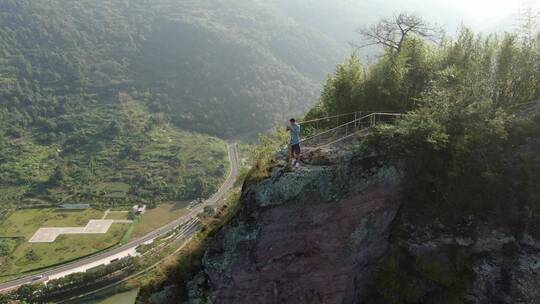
(219, 67)
(98, 99)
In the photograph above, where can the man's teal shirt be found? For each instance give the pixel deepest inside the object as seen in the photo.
(295, 134)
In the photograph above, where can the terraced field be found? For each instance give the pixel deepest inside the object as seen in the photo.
(146, 164)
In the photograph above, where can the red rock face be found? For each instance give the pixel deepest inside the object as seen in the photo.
(308, 251)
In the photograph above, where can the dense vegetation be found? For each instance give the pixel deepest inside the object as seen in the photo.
(214, 66)
(501, 69)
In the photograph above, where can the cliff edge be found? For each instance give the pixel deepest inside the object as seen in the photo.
(340, 231)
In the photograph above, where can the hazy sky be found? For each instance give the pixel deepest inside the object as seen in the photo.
(340, 19)
(483, 15)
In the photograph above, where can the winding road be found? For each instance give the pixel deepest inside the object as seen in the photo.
(111, 254)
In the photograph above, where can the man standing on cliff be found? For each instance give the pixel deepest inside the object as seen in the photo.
(294, 130)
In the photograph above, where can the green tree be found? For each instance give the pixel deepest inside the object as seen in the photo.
(341, 90)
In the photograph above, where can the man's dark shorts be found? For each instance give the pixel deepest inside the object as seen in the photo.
(295, 149)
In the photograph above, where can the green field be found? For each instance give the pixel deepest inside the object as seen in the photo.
(30, 256)
(17, 228)
(24, 223)
(21, 256)
(159, 216)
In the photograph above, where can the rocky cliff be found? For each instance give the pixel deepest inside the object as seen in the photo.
(311, 235)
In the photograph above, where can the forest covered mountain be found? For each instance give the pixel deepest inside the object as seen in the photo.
(215, 66)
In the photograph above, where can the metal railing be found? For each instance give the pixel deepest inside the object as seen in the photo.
(336, 120)
(357, 126)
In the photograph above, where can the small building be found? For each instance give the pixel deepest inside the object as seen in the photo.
(75, 206)
(139, 209)
(142, 209)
